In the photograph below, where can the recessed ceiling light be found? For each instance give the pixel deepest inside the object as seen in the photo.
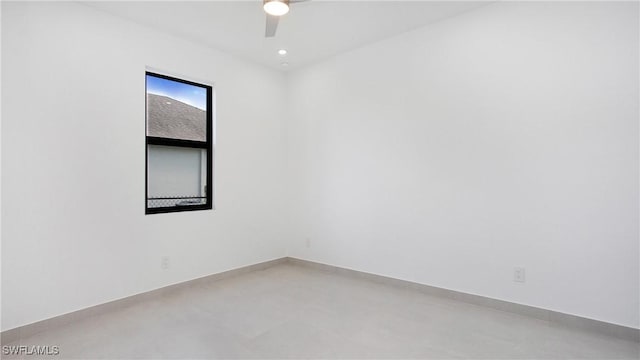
(282, 52)
(284, 63)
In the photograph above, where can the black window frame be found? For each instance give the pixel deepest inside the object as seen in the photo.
(207, 145)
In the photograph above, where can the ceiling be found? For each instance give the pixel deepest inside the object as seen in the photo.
(312, 31)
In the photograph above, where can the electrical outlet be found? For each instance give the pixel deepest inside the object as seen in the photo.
(164, 262)
(518, 274)
(307, 242)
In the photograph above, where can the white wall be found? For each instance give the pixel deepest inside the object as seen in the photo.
(504, 137)
(73, 155)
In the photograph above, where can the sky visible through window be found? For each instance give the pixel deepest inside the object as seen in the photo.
(188, 94)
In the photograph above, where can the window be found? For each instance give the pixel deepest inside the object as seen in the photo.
(178, 144)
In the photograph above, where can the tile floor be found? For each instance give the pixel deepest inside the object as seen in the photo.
(290, 311)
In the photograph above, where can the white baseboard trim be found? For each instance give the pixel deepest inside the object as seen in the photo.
(572, 321)
(24, 331)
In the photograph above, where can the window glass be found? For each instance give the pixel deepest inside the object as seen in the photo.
(178, 122)
(176, 110)
(177, 176)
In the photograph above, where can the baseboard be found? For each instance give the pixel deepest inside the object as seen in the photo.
(572, 321)
(14, 334)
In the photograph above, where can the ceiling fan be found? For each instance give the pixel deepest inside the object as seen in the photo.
(275, 9)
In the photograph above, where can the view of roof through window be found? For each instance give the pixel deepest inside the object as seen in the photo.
(176, 110)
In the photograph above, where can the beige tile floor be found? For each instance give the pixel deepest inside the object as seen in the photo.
(290, 311)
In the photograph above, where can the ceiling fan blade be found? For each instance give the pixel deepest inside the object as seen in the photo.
(272, 25)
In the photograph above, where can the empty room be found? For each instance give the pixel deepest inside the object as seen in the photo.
(313, 179)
